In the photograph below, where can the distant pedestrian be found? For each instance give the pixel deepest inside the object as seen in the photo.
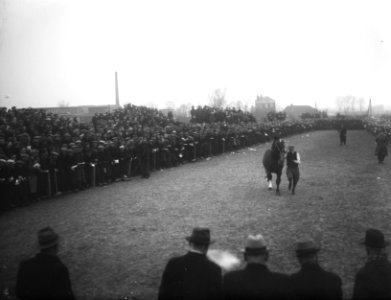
(193, 275)
(292, 170)
(373, 281)
(256, 281)
(342, 135)
(381, 150)
(44, 277)
(312, 281)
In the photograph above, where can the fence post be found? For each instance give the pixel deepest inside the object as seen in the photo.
(49, 190)
(55, 192)
(130, 167)
(93, 183)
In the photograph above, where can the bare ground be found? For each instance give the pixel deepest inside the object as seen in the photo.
(117, 239)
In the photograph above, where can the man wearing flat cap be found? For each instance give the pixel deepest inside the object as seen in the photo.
(44, 276)
(292, 168)
(193, 275)
(256, 281)
(373, 281)
(312, 281)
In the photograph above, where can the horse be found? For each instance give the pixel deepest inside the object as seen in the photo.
(273, 162)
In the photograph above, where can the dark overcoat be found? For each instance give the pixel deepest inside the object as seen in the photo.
(256, 281)
(191, 276)
(43, 277)
(373, 281)
(312, 282)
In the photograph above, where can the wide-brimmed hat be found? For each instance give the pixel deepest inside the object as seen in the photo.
(306, 247)
(374, 238)
(200, 236)
(47, 238)
(255, 244)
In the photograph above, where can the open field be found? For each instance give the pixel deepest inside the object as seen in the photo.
(117, 239)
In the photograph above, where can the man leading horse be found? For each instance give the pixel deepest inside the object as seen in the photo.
(292, 170)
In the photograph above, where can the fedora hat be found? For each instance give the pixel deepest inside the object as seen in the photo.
(374, 238)
(200, 236)
(306, 247)
(255, 244)
(47, 238)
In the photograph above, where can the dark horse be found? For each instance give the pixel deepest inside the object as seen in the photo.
(273, 162)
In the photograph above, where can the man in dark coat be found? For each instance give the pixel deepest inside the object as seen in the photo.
(44, 277)
(342, 135)
(193, 275)
(256, 281)
(373, 281)
(292, 168)
(312, 282)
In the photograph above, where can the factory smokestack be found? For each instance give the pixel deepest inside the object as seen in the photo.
(116, 90)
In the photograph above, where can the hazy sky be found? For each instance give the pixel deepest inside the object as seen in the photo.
(301, 52)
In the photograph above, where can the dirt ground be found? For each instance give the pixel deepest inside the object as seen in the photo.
(117, 239)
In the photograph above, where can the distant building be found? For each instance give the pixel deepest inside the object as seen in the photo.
(295, 111)
(263, 105)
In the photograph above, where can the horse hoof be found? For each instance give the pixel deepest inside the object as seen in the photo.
(269, 188)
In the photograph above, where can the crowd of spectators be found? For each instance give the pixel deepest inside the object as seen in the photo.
(207, 114)
(378, 125)
(43, 154)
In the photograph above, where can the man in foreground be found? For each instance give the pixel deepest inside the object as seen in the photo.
(256, 281)
(44, 276)
(193, 275)
(312, 282)
(373, 281)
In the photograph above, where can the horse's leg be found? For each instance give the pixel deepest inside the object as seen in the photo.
(278, 181)
(269, 180)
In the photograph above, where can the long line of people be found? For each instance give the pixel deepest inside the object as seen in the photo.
(44, 155)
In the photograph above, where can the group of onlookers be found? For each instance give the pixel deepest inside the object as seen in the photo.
(43, 154)
(195, 276)
(207, 114)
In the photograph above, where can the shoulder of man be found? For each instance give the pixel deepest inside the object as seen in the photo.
(233, 276)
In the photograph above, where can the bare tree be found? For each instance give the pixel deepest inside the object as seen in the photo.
(183, 110)
(170, 104)
(239, 105)
(340, 104)
(217, 99)
(361, 103)
(63, 103)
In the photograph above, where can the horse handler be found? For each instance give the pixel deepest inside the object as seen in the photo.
(292, 170)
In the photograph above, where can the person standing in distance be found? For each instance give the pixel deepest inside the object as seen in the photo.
(193, 275)
(342, 135)
(292, 170)
(44, 276)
